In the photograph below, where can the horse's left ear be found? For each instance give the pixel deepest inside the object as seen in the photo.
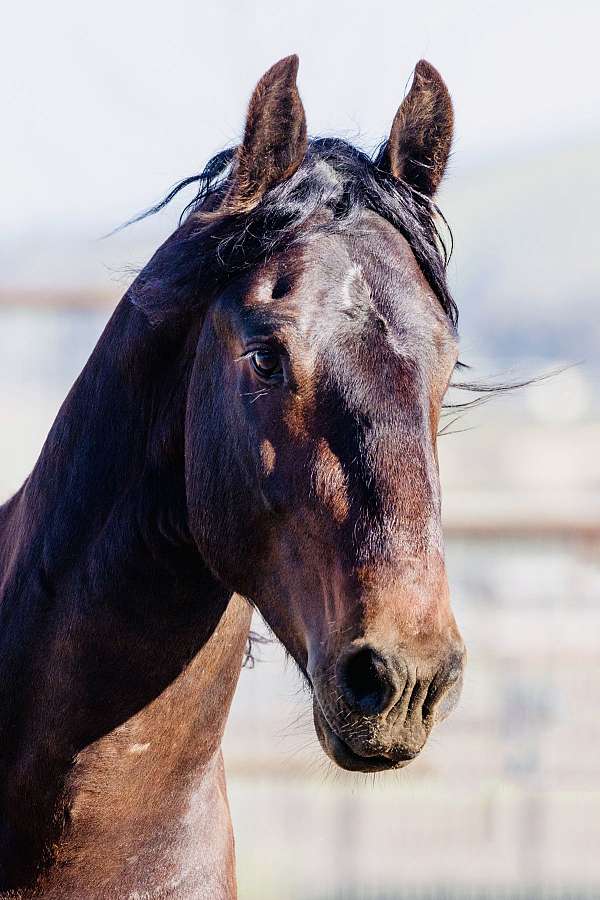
(418, 147)
(275, 140)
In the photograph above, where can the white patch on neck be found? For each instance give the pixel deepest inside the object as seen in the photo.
(138, 748)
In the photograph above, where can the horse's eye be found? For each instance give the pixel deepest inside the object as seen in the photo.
(266, 363)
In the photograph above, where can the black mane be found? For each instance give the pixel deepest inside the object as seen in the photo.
(211, 247)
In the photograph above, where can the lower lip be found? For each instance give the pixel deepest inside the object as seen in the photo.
(347, 759)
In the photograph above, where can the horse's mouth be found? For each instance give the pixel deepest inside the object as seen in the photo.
(338, 750)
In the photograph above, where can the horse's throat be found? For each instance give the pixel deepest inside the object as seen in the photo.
(149, 805)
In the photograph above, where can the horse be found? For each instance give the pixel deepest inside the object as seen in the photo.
(255, 429)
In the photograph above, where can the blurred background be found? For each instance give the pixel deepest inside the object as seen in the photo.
(104, 107)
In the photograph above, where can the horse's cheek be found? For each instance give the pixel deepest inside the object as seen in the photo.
(221, 485)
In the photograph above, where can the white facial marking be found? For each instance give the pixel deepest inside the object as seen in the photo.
(354, 274)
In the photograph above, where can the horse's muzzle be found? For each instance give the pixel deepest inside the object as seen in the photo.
(379, 709)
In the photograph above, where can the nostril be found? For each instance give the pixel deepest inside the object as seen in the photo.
(366, 681)
(441, 686)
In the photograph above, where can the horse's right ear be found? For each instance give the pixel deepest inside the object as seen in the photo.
(275, 140)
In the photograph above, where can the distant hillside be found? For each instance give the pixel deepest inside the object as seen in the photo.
(525, 271)
(526, 267)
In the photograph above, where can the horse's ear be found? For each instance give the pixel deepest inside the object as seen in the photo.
(418, 147)
(274, 139)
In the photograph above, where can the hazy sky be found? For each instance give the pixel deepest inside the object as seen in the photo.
(104, 105)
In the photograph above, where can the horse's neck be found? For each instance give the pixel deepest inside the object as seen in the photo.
(109, 637)
(149, 814)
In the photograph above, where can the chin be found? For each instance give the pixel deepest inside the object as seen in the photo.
(343, 756)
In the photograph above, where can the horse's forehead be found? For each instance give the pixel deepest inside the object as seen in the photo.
(311, 269)
(358, 282)
(321, 264)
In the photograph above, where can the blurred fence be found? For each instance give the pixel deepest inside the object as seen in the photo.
(442, 893)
